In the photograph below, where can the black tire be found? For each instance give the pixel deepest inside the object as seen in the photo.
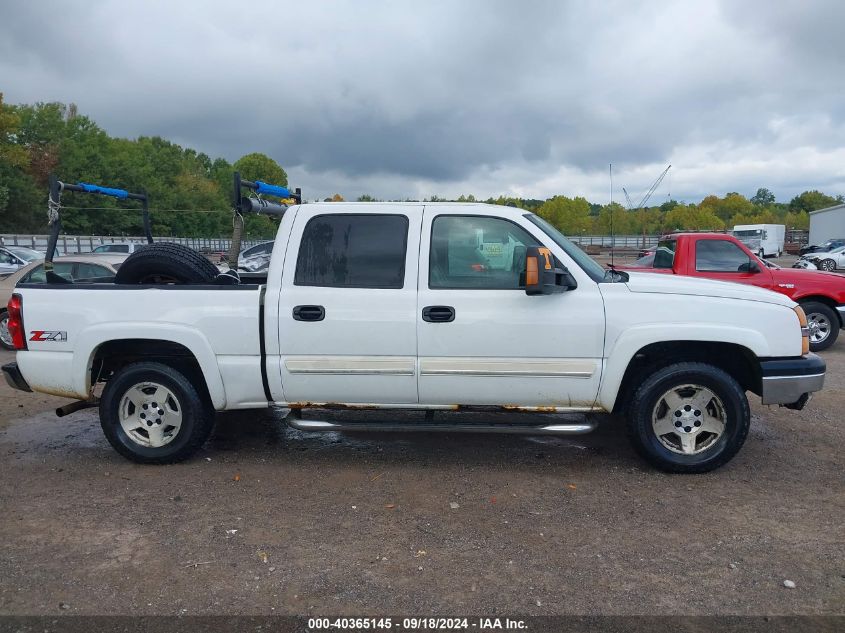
(648, 397)
(165, 262)
(827, 265)
(821, 313)
(197, 414)
(4, 321)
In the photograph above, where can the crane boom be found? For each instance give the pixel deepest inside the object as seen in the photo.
(628, 199)
(653, 187)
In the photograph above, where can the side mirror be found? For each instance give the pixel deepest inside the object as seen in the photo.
(750, 267)
(542, 276)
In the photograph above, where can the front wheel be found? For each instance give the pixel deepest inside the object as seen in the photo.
(152, 414)
(5, 336)
(827, 264)
(689, 418)
(823, 323)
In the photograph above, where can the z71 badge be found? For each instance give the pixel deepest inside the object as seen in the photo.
(42, 336)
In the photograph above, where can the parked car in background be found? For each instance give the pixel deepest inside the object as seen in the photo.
(825, 260)
(725, 258)
(13, 258)
(122, 247)
(245, 257)
(77, 268)
(822, 248)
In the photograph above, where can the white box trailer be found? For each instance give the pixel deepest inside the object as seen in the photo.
(764, 239)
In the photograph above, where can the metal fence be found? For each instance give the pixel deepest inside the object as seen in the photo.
(72, 244)
(797, 236)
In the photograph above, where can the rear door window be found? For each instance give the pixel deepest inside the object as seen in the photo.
(353, 251)
(664, 256)
(38, 276)
(91, 271)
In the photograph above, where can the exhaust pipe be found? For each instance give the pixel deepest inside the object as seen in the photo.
(76, 406)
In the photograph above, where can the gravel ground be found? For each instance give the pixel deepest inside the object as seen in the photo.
(267, 520)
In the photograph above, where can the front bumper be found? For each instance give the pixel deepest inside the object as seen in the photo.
(789, 381)
(14, 378)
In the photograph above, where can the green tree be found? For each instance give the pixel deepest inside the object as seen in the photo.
(811, 200)
(623, 221)
(570, 216)
(257, 166)
(693, 217)
(763, 198)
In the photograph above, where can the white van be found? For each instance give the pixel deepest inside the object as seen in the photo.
(764, 239)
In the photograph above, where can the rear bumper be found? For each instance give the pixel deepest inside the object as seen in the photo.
(14, 378)
(787, 381)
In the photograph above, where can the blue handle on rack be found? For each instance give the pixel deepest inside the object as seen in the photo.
(271, 190)
(106, 191)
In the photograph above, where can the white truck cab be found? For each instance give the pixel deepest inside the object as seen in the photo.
(420, 306)
(766, 240)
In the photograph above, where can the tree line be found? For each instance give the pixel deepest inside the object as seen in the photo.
(190, 192)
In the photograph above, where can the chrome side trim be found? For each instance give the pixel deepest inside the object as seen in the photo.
(788, 389)
(361, 406)
(560, 368)
(543, 429)
(352, 365)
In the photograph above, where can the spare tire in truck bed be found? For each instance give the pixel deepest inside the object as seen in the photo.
(166, 263)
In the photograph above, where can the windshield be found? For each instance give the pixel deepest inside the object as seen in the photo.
(26, 254)
(587, 263)
(753, 233)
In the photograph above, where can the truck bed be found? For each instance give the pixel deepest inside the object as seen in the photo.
(74, 319)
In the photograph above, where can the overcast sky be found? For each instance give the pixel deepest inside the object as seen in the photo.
(409, 99)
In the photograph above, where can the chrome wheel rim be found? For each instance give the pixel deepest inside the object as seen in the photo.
(689, 419)
(5, 335)
(150, 414)
(819, 326)
(827, 265)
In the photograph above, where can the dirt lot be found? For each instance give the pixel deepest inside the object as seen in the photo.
(268, 520)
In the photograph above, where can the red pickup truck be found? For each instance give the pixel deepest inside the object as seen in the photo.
(723, 257)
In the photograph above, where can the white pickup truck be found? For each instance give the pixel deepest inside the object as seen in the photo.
(420, 306)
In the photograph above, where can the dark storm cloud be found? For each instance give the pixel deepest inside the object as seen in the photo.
(473, 96)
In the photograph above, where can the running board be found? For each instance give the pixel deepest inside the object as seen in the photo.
(522, 429)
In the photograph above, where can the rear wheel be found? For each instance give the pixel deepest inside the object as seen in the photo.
(689, 418)
(165, 263)
(152, 414)
(823, 323)
(5, 336)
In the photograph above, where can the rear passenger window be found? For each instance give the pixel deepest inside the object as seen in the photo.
(664, 256)
(91, 271)
(38, 276)
(353, 251)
